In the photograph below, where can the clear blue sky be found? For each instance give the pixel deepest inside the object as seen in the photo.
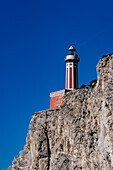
(34, 39)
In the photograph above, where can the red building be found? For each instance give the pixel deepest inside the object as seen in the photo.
(55, 98)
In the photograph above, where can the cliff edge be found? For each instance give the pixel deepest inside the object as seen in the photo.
(78, 135)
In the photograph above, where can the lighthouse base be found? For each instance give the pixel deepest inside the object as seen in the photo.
(56, 98)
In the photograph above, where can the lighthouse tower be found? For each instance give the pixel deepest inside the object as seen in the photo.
(71, 69)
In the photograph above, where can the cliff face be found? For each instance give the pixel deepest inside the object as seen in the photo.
(78, 135)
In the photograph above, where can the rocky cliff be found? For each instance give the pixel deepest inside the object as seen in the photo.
(78, 135)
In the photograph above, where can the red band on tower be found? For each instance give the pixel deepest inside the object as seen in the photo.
(67, 78)
(70, 77)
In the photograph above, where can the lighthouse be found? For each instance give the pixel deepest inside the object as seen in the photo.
(71, 60)
(71, 69)
(71, 78)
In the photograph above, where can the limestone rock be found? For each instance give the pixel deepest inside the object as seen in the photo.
(78, 135)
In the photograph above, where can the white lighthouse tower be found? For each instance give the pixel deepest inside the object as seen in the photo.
(71, 69)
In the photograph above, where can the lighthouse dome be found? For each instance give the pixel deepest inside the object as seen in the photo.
(72, 56)
(71, 48)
